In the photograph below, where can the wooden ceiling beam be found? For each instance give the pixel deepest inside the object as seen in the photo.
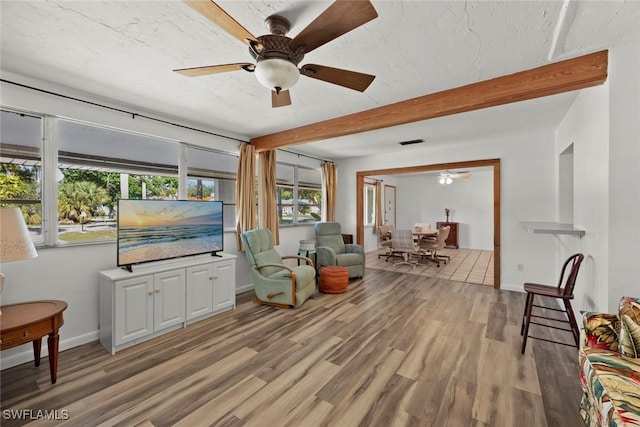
(564, 76)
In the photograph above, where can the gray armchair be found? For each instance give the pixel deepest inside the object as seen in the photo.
(331, 249)
(274, 282)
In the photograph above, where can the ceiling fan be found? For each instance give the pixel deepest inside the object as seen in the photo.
(277, 56)
(447, 177)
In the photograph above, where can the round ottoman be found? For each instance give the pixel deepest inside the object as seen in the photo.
(333, 279)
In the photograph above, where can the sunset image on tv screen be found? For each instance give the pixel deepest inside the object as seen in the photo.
(150, 230)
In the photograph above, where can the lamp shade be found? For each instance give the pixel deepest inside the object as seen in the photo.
(15, 242)
(278, 73)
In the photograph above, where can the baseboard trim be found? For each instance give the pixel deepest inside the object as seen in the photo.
(509, 287)
(244, 288)
(27, 355)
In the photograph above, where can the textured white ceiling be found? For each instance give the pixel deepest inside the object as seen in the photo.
(125, 51)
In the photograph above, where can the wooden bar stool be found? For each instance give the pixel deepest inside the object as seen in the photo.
(556, 292)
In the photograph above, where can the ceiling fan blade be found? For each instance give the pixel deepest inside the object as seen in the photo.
(337, 76)
(214, 69)
(339, 18)
(214, 13)
(458, 175)
(281, 99)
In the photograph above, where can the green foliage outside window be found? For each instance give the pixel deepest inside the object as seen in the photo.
(78, 201)
(20, 187)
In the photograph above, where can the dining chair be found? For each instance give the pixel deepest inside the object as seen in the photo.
(430, 248)
(564, 292)
(384, 234)
(404, 245)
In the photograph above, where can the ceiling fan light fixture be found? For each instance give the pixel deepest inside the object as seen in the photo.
(445, 180)
(277, 74)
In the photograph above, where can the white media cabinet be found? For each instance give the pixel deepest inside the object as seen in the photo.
(163, 296)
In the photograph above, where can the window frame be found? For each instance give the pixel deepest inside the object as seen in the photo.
(30, 154)
(295, 187)
(369, 208)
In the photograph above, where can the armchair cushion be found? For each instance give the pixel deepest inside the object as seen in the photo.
(601, 331)
(262, 251)
(303, 274)
(630, 328)
(332, 250)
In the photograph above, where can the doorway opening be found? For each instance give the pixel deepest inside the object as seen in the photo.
(493, 163)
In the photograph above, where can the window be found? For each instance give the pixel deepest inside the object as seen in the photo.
(298, 194)
(91, 168)
(21, 164)
(97, 167)
(212, 176)
(309, 195)
(369, 204)
(285, 186)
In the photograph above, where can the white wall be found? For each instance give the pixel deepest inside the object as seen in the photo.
(586, 126)
(624, 173)
(527, 194)
(604, 126)
(423, 199)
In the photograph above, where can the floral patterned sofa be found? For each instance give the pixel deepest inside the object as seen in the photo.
(610, 366)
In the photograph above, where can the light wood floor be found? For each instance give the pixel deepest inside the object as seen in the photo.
(465, 265)
(395, 350)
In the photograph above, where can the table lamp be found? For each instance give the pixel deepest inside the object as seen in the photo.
(15, 242)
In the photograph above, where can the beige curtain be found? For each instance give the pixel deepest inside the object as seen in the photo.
(379, 204)
(329, 182)
(245, 192)
(267, 199)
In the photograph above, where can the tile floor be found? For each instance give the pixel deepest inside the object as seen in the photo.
(466, 265)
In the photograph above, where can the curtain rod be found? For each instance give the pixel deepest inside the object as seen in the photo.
(305, 155)
(131, 113)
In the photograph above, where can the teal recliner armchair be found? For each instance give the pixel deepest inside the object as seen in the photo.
(274, 282)
(331, 249)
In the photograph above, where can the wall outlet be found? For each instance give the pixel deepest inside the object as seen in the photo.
(520, 267)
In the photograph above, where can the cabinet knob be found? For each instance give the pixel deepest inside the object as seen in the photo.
(150, 292)
(215, 277)
(157, 291)
(210, 277)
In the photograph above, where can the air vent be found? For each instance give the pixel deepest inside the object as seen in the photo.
(413, 141)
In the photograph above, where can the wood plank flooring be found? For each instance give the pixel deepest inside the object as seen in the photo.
(395, 350)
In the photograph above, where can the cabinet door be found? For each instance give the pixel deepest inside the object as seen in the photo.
(199, 291)
(133, 309)
(168, 304)
(224, 284)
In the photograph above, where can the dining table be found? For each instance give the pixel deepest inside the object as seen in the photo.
(425, 233)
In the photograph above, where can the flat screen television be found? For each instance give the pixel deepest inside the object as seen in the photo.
(154, 230)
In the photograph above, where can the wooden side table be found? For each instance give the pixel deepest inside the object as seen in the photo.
(311, 254)
(29, 322)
